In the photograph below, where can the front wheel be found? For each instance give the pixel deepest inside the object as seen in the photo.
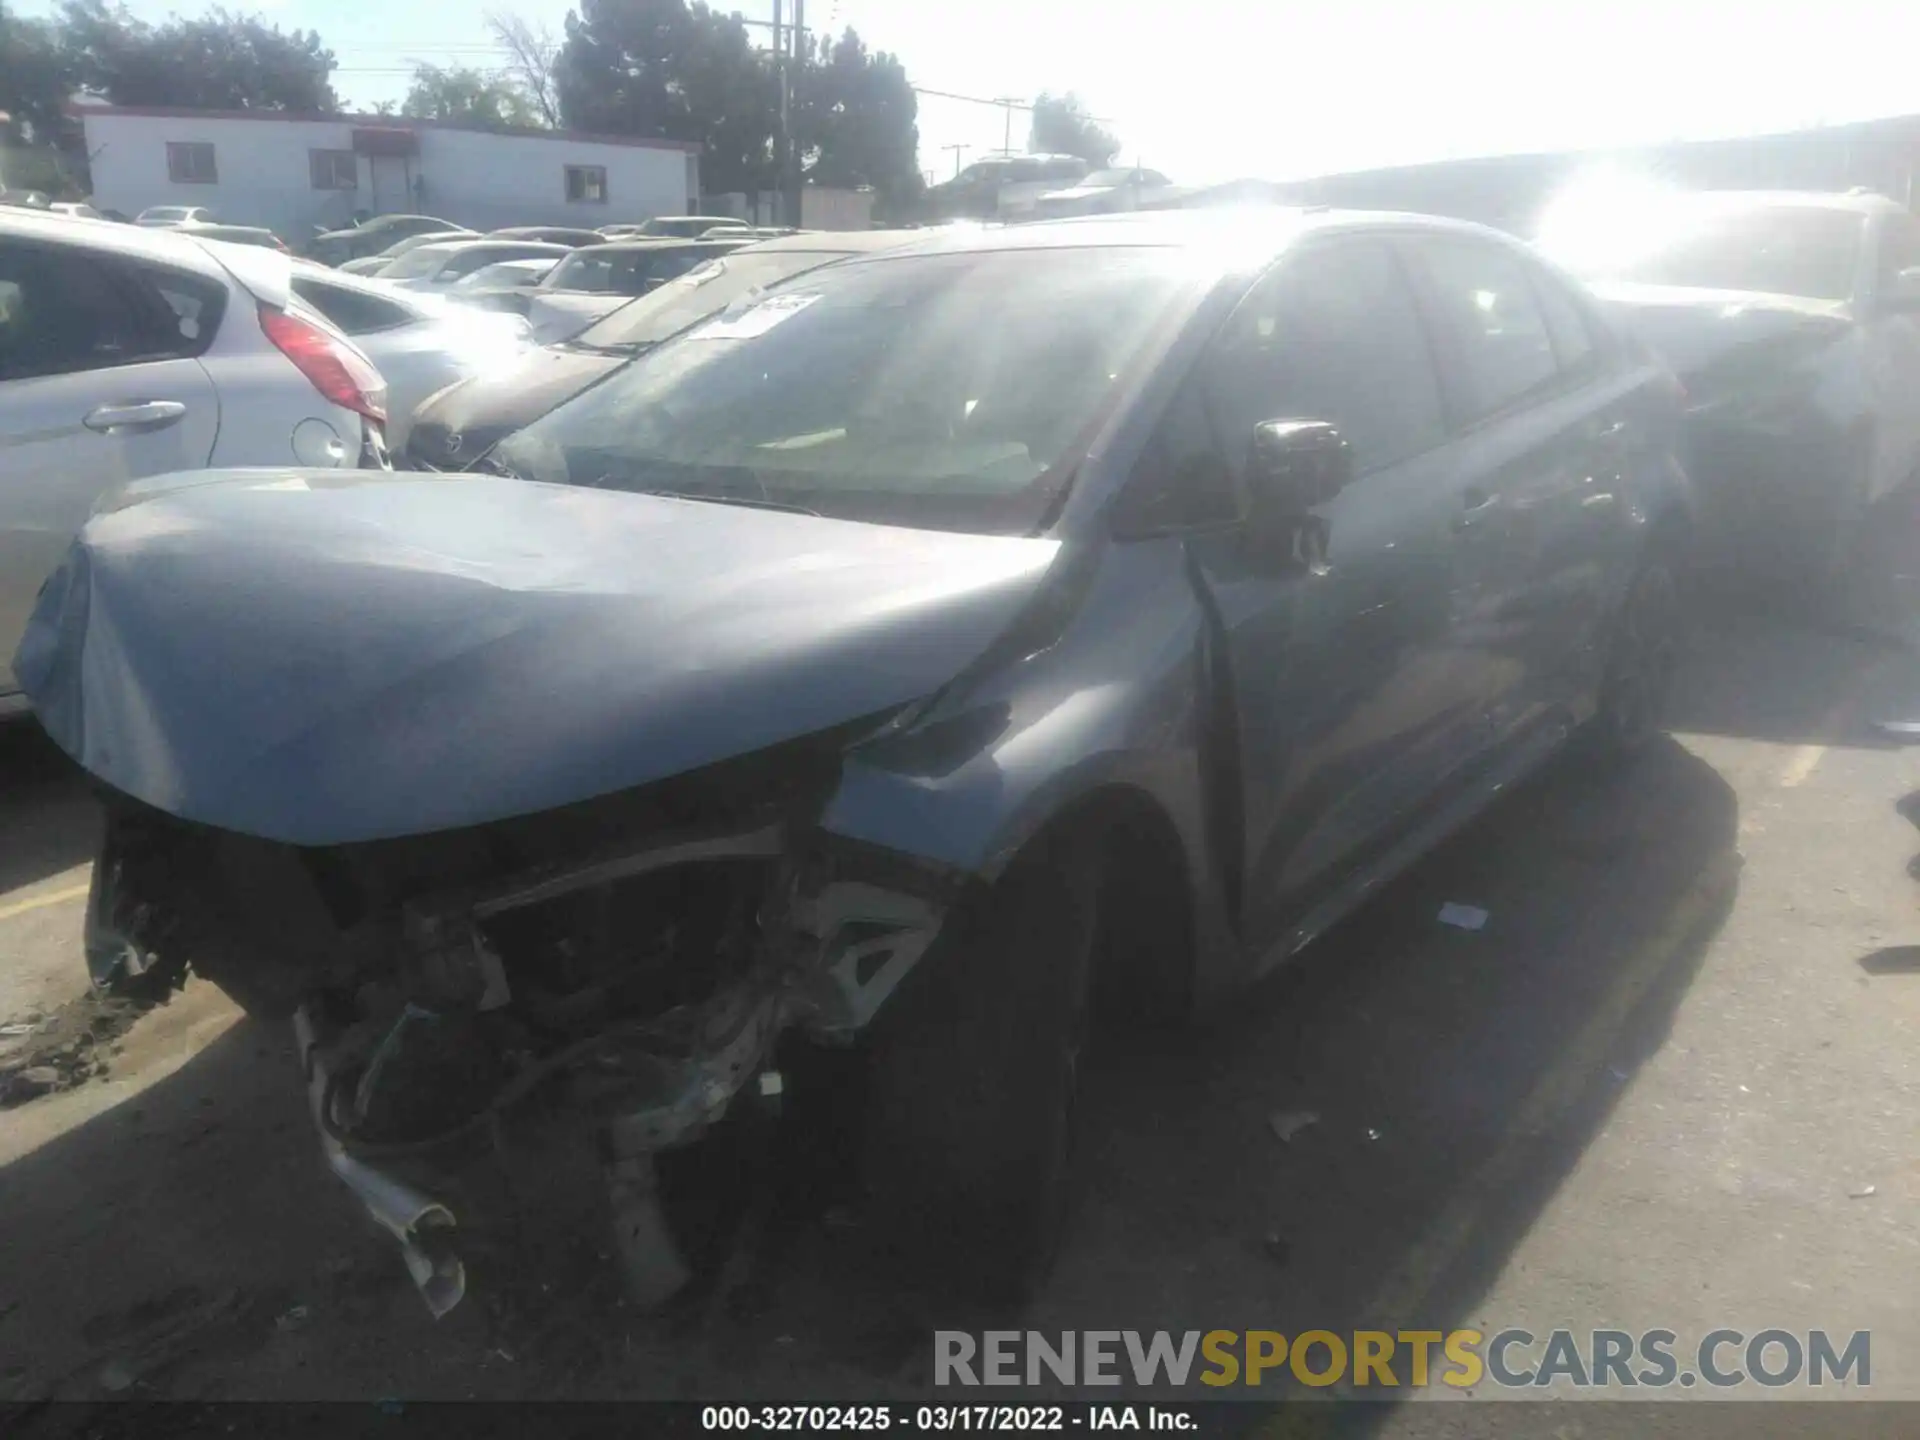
(975, 1080)
(1642, 660)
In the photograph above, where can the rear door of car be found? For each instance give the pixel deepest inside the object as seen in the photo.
(1548, 422)
(1352, 707)
(99, 385)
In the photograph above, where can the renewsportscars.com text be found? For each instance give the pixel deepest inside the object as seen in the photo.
(1404, 1359)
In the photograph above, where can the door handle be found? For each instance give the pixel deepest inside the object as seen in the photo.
(143, 415)
(1476, 504)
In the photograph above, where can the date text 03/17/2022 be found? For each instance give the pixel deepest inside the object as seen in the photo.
(922, 1419)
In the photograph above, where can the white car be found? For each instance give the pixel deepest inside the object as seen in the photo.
(160, 216)
(126, 353)
(419, 343)
(436, 266)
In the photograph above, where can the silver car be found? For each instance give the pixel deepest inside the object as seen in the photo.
(420, 343)
(127, 353)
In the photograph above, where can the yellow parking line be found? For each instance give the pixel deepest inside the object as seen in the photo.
(1803, 760)
(1800, 764)
(41, 902)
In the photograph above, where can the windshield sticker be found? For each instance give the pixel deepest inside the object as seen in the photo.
(756, 320)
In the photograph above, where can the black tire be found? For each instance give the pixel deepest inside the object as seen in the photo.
(1642, 659)
(975, 1077)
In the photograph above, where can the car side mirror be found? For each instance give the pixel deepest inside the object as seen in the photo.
(1903, 293)
(1295, 465)
(1292, 467)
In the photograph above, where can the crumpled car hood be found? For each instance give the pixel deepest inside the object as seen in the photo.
(483, 410)
(325, 657)
(1690, 328)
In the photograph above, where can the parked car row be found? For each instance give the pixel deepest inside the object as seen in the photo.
(1016, 187)
(880, 644)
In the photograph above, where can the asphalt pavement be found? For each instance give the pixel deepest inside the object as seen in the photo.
(1671, 1083)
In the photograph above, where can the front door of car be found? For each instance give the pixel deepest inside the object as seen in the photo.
(1892, 337)
(90, 398)
(1350, 708)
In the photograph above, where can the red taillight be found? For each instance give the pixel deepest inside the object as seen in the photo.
(336, 369)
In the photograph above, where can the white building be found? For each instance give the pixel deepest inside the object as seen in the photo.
(292, 173)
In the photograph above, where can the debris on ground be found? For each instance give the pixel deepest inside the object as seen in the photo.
(1863, 1192)
(1286, 1124)
(1463, 917)
(59, 1051)
(1276, 1249)
(294, 1319)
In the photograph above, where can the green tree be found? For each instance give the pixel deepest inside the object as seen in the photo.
(221, 61)
(36, 77)
(468, 96)
(1062, 126)
(669, 70)
(854, 120)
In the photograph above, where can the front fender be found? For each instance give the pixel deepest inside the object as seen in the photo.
(1114, 702)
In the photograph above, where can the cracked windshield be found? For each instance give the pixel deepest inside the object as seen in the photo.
(832, 716)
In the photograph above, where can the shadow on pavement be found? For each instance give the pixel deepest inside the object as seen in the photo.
(1429, 1059)
(48, 821)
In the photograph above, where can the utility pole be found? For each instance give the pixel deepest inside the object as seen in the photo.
(783, 140)
(956, 157)
(791, 179)
(1008, 105)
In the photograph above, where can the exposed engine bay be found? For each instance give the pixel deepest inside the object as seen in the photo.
(632, 960)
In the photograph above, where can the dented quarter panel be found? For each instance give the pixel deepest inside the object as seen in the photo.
(417, 655)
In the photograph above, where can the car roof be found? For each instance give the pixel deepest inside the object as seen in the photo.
(460, 247)
(643, 243)
(1238, 237)
(1863, 202)
(167, 247)
(832, 242)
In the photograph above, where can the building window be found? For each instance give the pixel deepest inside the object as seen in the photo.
(588, 183)
(334, 169)
(190, 162)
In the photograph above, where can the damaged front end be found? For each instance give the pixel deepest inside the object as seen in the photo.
(626, 964)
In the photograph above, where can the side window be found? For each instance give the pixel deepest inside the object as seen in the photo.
(1567, 325)
(64, 311)
(1182, 479)
(196, 304)
(1334, 334)
(1505, 349)
(353, 312)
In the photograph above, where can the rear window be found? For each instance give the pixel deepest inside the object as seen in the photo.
(622, 272)
(352, 311)
(426, 260)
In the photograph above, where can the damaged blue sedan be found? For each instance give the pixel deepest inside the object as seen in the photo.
(889, 665)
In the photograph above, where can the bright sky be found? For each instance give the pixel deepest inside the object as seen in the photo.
(1214, 89)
